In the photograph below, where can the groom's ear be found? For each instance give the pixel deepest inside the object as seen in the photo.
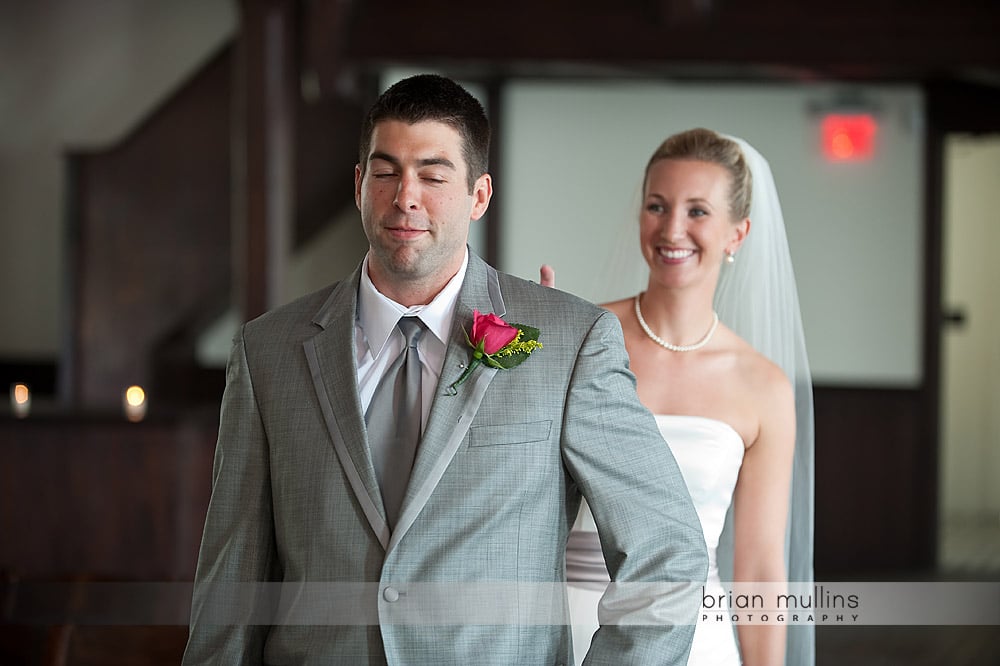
(358, 176)
(482, 192)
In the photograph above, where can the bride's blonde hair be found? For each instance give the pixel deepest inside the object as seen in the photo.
(704, 145)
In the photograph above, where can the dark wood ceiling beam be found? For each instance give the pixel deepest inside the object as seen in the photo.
(895, 41)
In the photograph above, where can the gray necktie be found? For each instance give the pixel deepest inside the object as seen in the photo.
(393, 420)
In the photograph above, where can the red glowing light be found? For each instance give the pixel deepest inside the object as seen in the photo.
(849, 136)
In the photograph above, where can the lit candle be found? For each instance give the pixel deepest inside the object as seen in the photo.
(135, 404)
(20, 400)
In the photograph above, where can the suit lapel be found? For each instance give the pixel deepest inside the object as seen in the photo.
(451, 415)
(333, 366)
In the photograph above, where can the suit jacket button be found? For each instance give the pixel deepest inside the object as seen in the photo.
(390, 594)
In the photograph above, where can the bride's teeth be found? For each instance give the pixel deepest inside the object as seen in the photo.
(675, 254)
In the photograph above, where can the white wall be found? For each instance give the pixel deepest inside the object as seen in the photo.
(574, 156)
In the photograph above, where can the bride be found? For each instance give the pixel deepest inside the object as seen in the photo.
(715, 342)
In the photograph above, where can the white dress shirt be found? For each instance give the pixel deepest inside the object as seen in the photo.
(378, 341)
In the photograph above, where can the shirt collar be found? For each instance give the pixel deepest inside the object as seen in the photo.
(378, 314)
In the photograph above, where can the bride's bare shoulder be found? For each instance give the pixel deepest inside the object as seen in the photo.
(761, 376)
(619, 308)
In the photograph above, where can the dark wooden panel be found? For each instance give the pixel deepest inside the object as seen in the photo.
(263, 120)
(127, 501)
(23, 644)
(327, 150)
(73, 645)
(329, 114)
(875, 511)
(151, 250)
(104, 497)
(150, 239)
(124, 646)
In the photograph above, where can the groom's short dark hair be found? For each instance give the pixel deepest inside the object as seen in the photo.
(435, 98)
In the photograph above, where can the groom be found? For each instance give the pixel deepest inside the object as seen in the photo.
(447, 552)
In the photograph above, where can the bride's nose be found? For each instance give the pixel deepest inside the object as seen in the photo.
(674, 228)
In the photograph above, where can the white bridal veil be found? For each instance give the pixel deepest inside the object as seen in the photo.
(757, 298)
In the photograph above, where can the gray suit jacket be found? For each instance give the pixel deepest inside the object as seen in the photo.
(477, 559)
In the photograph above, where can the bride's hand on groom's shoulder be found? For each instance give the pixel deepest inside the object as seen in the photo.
(547, 276)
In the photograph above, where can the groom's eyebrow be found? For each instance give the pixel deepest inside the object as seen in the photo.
(385, 157)
(427, 161)
(436, 161)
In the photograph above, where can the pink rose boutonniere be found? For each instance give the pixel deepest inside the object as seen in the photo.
(497, 344)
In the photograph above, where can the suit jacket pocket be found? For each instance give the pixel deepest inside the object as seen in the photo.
(509, 433)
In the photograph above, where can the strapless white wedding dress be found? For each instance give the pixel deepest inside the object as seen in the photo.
(709, 454)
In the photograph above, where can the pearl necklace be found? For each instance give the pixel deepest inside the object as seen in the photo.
(672, 347)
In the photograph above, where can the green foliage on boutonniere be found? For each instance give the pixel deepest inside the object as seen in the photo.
(497, 344)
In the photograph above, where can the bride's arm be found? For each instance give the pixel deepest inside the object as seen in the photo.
(760, 514)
